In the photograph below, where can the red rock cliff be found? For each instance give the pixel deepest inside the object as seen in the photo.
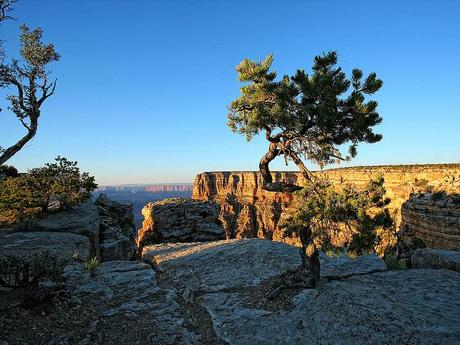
(249, 211)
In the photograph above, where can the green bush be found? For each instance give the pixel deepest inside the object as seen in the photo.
(334, 213)
(56, 186)
(9, 171)
(393, 263)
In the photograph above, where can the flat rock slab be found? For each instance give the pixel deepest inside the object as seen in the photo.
(213, 266)
(394, 307)
(81, 220)
(436, 258)
(39, 253)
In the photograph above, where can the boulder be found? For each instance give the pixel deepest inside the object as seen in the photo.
(25, 256)
(436, 258)
(180, 220)
(117, 229)
(81, 220)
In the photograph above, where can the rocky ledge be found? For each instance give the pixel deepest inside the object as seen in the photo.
(103, 230)
(180, 220)
(215, 293)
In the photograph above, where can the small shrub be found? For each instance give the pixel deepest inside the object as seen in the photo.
(393, 263)
(30, 195)
(9, 171)
(27, 269)
(91, 265)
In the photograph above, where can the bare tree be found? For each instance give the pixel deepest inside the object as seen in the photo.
(6, 6)
(30, 80)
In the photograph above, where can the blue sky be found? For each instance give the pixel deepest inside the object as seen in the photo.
(143, 85)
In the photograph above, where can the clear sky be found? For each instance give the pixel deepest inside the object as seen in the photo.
(143, 85)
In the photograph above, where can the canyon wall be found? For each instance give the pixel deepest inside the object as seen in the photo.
(249, 211)
(434, 218)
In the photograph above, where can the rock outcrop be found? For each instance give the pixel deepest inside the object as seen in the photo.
(180, 220)
(26, 256)
(247, 263)
(106, 228)
(81, 220)
(368, 306)
(117, 229)
(215, 293)
(246, 210)
(433, 218)
(436, 258)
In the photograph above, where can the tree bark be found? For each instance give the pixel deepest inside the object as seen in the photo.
(309, 274)
(272, 153)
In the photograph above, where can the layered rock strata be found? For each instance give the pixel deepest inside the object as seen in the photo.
(246, 210)
(434, 218)
(180, 220)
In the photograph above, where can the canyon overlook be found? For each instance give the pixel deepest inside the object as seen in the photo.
(190, 282)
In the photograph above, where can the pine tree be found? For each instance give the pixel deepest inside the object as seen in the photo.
(305, 116)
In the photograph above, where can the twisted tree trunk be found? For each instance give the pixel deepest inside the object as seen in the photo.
(274, 151)
(12, 150)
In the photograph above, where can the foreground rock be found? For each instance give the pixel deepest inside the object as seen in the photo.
(242, 263)
(131, 306)
(180, 220)
(117, 229)
(81, 220)
(436, 258)
(384, 308)
(25, 256)
(215, 293)
(367, 305)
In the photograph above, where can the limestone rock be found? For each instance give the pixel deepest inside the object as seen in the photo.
(436, 258)
(81, 220)
(117, 229)
(243, 263)
(127, 293)
(32, 254)
(246, 210)
(180, 220)
(395, 307)
(433, 218)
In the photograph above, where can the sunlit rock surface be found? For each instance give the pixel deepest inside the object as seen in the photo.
(433, 218)
(246, 210)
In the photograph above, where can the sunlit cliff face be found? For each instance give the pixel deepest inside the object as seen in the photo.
(249, 211)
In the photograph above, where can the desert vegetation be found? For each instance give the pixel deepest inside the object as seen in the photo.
(56, 186)
(313, 117)
(28, 78)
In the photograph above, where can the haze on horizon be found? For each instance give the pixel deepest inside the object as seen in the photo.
(143, 89)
